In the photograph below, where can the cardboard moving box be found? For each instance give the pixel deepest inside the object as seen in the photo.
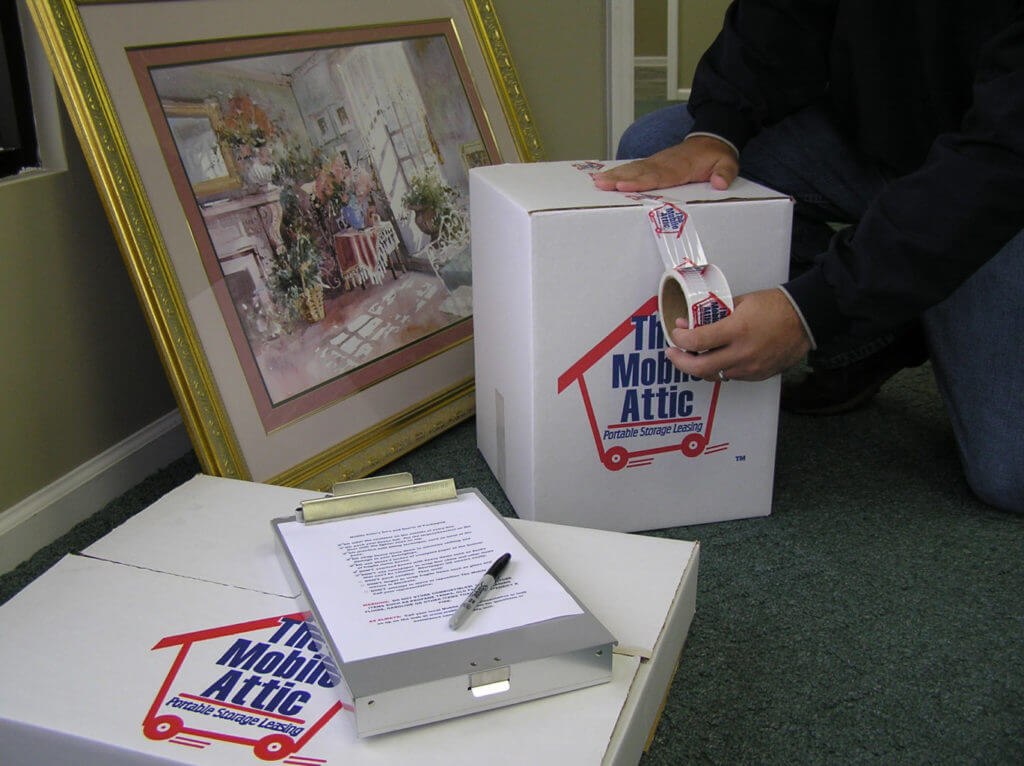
(177, 638)
(579, 413)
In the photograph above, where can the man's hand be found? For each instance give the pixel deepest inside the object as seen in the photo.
(762, 337)
(699, 158)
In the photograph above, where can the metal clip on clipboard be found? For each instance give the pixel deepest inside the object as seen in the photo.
(374, 494)
(463, 676)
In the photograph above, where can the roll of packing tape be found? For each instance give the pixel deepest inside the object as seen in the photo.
(699, 293)
(690, 287)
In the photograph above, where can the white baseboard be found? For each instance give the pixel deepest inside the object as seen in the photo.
(45, 515)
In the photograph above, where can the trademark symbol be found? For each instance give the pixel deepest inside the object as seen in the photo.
(740, 458)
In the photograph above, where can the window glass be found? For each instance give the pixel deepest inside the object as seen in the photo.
(18, 147)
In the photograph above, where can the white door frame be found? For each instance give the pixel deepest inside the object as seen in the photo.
(672, 90)
(619, 22)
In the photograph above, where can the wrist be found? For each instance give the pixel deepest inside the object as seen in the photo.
(700, 134)
(800, 316)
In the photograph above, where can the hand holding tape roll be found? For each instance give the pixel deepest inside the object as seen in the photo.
(690, 287)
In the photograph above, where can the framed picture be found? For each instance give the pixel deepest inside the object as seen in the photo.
(474, 154)
(288, 181)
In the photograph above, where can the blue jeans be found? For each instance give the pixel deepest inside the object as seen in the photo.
(972, 336)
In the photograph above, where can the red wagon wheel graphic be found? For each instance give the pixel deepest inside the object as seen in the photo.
(274, 748)
(615, 459)
(162, 727)
(693, 445)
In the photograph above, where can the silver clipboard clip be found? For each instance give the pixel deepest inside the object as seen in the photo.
(373, 495)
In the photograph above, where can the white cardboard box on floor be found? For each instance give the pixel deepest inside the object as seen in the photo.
(108, 654)
(579, 414)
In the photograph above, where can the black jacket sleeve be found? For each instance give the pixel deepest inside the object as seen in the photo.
(770, 59)
(930, 229)
(933, 225)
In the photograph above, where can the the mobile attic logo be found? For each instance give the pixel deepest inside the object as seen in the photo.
(262, 684)
(668, 219)
(590, 167)
(638, 404)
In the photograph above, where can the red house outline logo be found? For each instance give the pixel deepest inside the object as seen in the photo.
(615, 458)
(271, 747)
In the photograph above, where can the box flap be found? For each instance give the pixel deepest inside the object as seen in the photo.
(628, 581)
(150, 656)
(210, 529)
(218, 530)
(541, 186)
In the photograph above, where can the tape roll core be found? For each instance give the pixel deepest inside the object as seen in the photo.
(700, 294)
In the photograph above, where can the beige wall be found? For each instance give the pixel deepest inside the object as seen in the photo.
(650, 18)
(699, 24)
(81, 372)
(559, 50)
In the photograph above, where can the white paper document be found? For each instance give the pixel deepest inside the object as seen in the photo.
(388, 582)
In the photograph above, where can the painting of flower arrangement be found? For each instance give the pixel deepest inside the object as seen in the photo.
(326, 189)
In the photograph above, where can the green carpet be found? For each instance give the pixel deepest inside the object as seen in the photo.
(876, 616)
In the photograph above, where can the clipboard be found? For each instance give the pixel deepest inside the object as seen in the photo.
(462, 675)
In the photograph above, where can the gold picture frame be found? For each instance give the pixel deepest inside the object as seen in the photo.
(165, 157)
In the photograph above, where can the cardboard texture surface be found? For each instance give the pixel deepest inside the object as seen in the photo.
(116, 661)
(579, 414)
